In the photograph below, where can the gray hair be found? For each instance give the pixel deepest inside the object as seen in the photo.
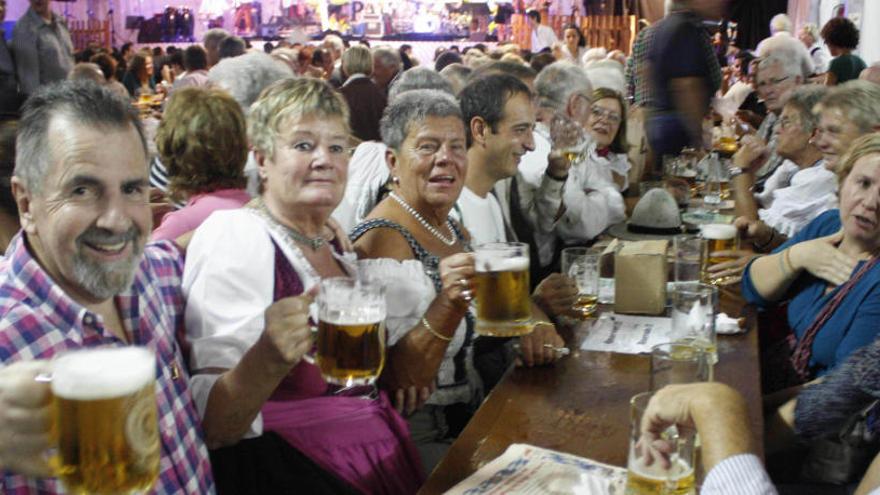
(780, 23)
(213, 37)
(419, 78)
(334, 43)
(245, 76)
(804, 99)
(82, 102)
(858, 100)
(457, 75)
(558, 81)
(790, 65)
(388, 57)
(812, 30)
(87, 71)
(411, 108)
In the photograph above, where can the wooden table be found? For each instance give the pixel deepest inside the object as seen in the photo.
(581, 404)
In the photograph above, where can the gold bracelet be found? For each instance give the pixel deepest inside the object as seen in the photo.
(543, 322)
(785, 262)
(434, 332)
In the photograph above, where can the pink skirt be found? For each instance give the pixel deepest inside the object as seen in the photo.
(364, 442)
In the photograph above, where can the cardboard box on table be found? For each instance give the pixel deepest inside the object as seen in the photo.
(640, 274)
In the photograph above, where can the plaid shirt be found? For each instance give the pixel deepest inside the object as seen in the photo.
(39, 321)
(638, 84)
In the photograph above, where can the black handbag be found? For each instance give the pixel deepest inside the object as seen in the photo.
(842, 458)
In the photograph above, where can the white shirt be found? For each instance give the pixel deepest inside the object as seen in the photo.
(820, 58)
(741, 474)
(606, 167)
(367, 172)
(812, 191)
(780, 178)
(543, 37)
(540, 196)
(738, 93)
(482, 217)
(408, 293)
(592, 203)
(228, 282)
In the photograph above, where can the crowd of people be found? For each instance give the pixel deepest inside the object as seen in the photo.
(191, 200)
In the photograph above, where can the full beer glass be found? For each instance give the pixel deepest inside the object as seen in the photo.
(104, 419)
(719, 237)
(582, 265)
(351, 331)
(502, 298)
(643, 478)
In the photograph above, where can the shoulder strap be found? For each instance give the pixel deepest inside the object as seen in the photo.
(420, 253)
(804, 348)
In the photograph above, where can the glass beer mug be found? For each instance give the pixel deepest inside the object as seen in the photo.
(351, 331)
(502, 298)
(651, 478)
(104, 420)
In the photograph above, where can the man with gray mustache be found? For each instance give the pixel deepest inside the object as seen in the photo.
(79, 275)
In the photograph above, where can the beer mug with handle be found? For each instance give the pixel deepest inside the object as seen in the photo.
(646, 473)
(104, 420)
(502, 279)
(351, 331)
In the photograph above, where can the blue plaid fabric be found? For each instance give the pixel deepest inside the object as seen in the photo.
(39, 320)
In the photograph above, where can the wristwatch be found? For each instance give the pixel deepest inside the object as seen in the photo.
(734, 171)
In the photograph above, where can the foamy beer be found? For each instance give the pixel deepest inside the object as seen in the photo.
(654, 479)
(719, 237)
(104, 417)
(502, 298)
(351, 331)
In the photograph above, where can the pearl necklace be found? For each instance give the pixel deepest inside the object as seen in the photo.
(430, 228)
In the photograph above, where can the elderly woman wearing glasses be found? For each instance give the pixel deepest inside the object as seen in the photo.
(249, 277)
(607, 126)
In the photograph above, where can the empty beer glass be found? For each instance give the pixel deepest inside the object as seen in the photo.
(646, 475)
(688, 250)
(675, 362)
(694, 308)
(104, 419)
(502, 298)
(351, 331)
(582, 265)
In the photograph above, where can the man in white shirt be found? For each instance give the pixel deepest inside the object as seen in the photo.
(543, 36)
(590, 203)
(499, 115)
(801, 189)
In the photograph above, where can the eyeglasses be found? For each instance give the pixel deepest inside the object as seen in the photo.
(773, 82)
(600, 113)
(786, 123)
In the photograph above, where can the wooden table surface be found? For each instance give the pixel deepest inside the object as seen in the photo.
(581, 404)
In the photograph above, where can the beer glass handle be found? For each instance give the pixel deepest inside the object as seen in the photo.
(45, 377)
(671, 484)
(313, 330)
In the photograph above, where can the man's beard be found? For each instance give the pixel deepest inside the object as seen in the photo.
(104, 280)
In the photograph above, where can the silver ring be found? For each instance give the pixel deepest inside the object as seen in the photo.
(562, 351)
(464, 283)
(467, 295)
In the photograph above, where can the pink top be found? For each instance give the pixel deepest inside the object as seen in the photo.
(197, 209)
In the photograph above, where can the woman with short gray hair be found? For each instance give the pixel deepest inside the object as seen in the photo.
(409, 241)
